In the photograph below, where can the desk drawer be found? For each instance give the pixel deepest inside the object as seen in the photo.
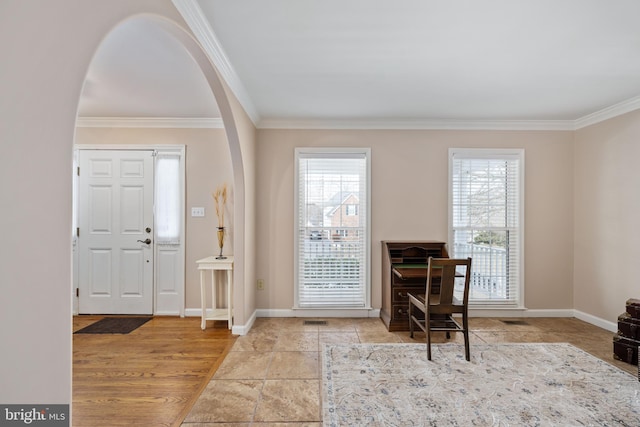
(401, 295)
(401, 312)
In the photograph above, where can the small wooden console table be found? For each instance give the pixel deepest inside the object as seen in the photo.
(214, 265)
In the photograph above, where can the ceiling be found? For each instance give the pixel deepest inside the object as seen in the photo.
(380, 63)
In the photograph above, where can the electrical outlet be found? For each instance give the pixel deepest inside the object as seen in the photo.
(197, 212)
(260, 284)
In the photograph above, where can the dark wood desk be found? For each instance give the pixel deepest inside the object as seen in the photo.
(404, 270)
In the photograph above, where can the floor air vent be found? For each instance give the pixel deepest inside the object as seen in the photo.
(514, 322)
(315, 322)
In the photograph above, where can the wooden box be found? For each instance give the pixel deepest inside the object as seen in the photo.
(633, 307)
(625, 349)
(628, 326)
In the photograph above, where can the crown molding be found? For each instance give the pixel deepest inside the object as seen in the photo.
(199, 25)
(608, 113)
(216, 123)
(541, 125)
(149, 122)
(359, 124)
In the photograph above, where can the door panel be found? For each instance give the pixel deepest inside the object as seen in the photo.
(100, 272)
(100, 209)
(115, 209)
(132, 210)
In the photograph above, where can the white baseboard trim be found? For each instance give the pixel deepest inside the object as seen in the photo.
(235, 329)
(519, 312)
(244, 329)
(319, 312)
(192, 312)
(374, 312)
(568, 312)
(597, 321)
(167, 313)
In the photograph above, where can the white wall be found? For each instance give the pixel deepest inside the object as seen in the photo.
(607, 216)
(245, 297)
(409, 201)
(44, 62)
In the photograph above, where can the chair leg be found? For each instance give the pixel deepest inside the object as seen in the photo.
(465, 325)
(410, 320)
(427, 324)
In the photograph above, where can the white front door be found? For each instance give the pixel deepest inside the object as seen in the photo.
(115, 248)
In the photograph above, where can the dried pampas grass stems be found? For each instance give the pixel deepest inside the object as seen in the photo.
(220, 197)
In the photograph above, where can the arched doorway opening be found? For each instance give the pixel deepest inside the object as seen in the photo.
(217, 89)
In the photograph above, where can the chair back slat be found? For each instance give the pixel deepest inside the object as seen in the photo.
(445, 271)
(447, 284)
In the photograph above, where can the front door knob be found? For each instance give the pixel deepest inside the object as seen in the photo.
(145, 241)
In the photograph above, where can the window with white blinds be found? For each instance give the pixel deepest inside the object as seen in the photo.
(332, 228)
(168, 198)
(486, 222)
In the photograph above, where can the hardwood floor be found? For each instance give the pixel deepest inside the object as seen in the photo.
(150, 377)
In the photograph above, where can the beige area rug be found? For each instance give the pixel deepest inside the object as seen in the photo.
(502, 385)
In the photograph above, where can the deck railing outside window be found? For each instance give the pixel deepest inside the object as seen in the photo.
(489, 277)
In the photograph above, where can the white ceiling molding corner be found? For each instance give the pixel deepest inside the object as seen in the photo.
(608, 112)
(557, 125)
(199, 25)
(150, 122)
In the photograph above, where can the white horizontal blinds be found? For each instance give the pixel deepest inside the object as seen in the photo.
(331, 235)
(167, 198)
(486, 223)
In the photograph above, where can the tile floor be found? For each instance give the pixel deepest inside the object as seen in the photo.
(271, 376)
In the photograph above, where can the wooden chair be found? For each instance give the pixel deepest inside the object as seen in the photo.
(439, 309)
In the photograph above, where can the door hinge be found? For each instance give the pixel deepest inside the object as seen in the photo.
(78, 232)
(78, 292)
(78, 171)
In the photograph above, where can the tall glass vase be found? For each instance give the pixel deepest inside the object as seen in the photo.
(221, 242)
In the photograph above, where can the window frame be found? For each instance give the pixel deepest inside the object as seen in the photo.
(517, 154)
(333, 152)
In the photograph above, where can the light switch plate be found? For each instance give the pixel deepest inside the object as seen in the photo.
(197, 212)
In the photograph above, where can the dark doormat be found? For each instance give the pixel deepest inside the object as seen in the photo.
(114, 325)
